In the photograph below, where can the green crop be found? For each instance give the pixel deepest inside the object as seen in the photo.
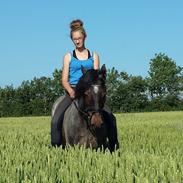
(151, 150)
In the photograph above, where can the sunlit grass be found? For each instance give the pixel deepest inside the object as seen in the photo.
(151, 148)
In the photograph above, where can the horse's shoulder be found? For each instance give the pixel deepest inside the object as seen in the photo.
(71, 116)
(72, 108)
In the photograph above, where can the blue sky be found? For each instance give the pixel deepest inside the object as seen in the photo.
(34, 35)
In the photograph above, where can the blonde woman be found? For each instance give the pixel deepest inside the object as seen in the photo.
(71, 73)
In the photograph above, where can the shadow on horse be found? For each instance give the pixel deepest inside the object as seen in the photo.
(88, 121)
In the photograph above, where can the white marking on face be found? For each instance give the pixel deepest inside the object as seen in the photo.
(95, 89)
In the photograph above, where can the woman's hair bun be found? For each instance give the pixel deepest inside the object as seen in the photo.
(75, 24)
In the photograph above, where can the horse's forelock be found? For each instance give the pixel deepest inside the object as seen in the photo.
(89, 78)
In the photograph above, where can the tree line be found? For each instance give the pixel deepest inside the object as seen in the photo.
(161, 90)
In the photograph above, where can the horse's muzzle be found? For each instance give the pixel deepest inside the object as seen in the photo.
(96, 120)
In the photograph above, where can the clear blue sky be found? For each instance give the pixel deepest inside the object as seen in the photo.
(34, 35)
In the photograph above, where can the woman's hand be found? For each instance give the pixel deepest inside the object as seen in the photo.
(71, 93)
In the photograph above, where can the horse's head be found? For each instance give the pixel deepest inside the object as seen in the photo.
(91, 93)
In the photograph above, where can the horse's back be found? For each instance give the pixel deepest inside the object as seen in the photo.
(56, 104)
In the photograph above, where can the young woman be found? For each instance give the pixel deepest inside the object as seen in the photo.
(71, 73)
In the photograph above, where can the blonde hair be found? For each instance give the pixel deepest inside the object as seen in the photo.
(77, 25)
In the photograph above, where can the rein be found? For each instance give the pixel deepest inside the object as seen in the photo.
(85, 114)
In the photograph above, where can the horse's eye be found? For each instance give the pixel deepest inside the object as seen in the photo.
(87, 92)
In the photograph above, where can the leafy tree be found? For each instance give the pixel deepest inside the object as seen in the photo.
(164, 76)
(56, 85)
(126, 93)
(24, 97)
(41, 96)
(7, 100)
(161, 90)
(136, 87)
(164, 82)
(112, 83)
(131, 93)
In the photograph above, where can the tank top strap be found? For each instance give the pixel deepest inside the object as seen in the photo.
(73, 54)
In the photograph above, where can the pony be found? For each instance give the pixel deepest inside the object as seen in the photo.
(88, 121)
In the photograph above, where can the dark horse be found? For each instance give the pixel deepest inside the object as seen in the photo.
(87, 121)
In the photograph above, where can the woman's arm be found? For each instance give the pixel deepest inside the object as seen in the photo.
(65, 75)
(96, 61)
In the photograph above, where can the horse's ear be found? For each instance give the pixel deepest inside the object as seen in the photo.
(83, 69)
(103, 71)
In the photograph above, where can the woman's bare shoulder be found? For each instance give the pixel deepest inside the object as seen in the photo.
(96, 60)
(67, 57)
(95, 53)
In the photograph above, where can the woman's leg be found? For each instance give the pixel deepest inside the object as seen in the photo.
(57, 119)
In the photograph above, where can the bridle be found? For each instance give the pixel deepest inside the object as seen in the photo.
(87, 114)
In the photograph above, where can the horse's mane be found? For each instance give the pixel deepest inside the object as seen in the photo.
(89, 78)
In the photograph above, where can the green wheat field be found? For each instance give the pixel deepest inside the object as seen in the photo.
(151, 150)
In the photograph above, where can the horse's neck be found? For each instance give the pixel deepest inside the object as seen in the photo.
(76, 103)
(80, 103)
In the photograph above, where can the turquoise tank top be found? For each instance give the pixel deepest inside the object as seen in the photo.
(75, 68)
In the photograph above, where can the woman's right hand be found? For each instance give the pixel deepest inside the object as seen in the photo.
(71, 93)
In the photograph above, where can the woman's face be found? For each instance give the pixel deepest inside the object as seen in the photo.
(78, 39)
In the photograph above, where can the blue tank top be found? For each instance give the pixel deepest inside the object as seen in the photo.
(75, 68)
